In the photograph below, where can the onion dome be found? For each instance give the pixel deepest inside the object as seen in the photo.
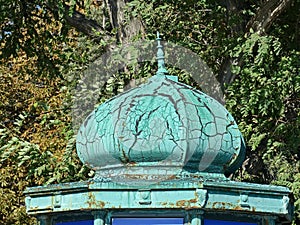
(162, 128)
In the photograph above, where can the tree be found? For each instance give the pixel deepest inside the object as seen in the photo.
(252, 47)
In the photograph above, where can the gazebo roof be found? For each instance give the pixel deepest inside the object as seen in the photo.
(161, 130)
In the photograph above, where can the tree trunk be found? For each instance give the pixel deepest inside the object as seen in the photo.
(260, 23)
(234, 7)
(125, 32)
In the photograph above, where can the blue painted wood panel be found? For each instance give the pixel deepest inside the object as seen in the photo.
(147, 221)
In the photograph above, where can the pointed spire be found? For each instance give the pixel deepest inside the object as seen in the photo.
(161, 71)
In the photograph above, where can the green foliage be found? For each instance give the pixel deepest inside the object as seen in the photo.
(264, 98)
(206, 34)
(36, 138)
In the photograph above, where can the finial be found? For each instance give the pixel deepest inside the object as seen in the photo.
(161, 71)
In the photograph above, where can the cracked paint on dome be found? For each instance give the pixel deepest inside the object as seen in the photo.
(161, 124)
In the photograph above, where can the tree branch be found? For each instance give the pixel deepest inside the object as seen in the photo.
(80, 22)
(266, 15)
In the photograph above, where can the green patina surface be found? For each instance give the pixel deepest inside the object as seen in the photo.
(160, 128)
(191, 194)
(161, 149)
(161, 69)
(162, 123)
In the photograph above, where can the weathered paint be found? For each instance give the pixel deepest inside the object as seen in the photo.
(145, 149)
(99, 217)
(209, 196)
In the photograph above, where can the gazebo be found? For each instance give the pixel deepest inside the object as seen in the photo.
(161, 153)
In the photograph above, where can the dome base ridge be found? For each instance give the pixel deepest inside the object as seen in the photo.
(146, 175)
